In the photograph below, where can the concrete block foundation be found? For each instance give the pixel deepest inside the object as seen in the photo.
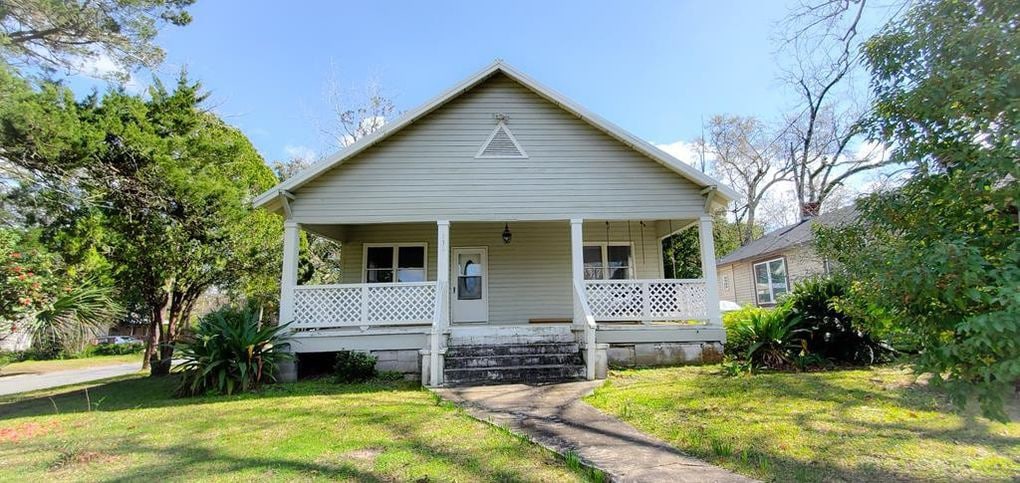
(663, 353)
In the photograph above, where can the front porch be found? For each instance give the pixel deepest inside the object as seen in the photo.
(422, 287)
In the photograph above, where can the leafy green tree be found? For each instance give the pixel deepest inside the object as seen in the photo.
(64, 34)
(681, 253)
(940, 257)
(43, 297)
(160, 187)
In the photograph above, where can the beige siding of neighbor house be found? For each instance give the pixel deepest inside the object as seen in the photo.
(428, 170)
(529, 278)
(736, 280)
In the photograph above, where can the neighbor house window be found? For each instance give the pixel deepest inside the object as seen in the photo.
(610, 261)
(395, 263)
(770, 281)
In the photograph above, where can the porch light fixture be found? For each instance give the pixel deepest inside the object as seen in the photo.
(506, 234)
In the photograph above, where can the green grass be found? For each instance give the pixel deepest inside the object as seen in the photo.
(42, 367)
(311, 430)
(853, 425)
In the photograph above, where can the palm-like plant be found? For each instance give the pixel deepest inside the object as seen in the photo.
(75, 317)
(772, 336)
(228, 352)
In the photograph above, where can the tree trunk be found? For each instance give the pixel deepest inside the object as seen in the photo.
(152, 341)
(161, 363)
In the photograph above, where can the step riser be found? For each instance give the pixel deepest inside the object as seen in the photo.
(507, 350)
(512, 361)
(516, 375)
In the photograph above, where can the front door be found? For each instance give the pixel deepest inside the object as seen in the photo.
(470, 279)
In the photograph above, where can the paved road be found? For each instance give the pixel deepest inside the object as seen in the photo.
(555, 417)
(32, 382)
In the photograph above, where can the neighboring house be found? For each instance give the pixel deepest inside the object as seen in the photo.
(762, 271)
(500, 232)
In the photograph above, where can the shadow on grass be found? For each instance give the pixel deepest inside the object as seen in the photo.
(135, 391)
(394, 427)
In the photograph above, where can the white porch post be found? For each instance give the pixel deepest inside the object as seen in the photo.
(577, 263)
(442, 297)
(708, 270)
(288, 279)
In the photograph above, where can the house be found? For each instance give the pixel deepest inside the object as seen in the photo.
(500, 232)
(762, 271)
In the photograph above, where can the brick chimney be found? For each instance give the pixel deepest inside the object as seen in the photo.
(809, 210)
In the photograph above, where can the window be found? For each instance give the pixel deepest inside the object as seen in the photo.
(770, 282)
(395, 263)
(607, 262)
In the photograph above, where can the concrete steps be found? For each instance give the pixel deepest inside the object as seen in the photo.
(513, 362)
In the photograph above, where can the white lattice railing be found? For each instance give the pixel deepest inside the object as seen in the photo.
(652, 300)
(320, 306)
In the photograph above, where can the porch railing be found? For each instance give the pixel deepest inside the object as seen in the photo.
(647, 300)
(359, 304)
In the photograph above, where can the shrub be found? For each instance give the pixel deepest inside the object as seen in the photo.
(351, 366)
(736, 343)
(117, 349)
(229, 352)
(831, 332)
(771, 336)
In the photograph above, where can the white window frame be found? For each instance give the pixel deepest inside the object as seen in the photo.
(396, 257)
(754, 279)
(604, 246)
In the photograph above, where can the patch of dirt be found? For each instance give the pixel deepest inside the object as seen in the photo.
(367, 454)
(70, 459)
(26, 431)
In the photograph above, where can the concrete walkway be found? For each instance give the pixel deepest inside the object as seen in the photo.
(32, 382)
(555, 417)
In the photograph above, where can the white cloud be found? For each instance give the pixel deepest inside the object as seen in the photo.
(682, 150)
(300, 152)
(101, 66)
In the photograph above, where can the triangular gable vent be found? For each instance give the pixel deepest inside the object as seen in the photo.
(501, 144)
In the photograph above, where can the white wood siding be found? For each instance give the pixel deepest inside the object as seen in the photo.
(529, 278)
(428, 170)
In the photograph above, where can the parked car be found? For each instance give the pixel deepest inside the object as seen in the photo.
(117, 339)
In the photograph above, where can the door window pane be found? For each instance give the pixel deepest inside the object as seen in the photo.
(469, 287)
(593, 263)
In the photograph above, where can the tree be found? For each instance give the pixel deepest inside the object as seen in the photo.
(747, 159)
(168, 182)
(939, 257)
(319, 262)
(66, 34)
(681, 253)
(821, 48)
(354, 113)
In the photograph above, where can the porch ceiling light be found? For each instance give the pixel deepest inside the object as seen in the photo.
(506, 234)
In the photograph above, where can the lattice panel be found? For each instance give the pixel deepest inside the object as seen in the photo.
(677, 301)
(401, 303)
(326, 306)
(615, 301)
(647, 299)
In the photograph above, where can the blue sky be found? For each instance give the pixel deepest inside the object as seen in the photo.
(654, 68)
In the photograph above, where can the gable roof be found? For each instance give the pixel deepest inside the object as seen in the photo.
(789, 236)
(643, 147)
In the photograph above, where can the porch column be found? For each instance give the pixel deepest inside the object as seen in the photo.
(576, 261)
(288, 280)
(442, 321)
(708, 271)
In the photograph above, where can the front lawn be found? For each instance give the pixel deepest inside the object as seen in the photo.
(854, 425)
(303, 431)
(42, 367)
